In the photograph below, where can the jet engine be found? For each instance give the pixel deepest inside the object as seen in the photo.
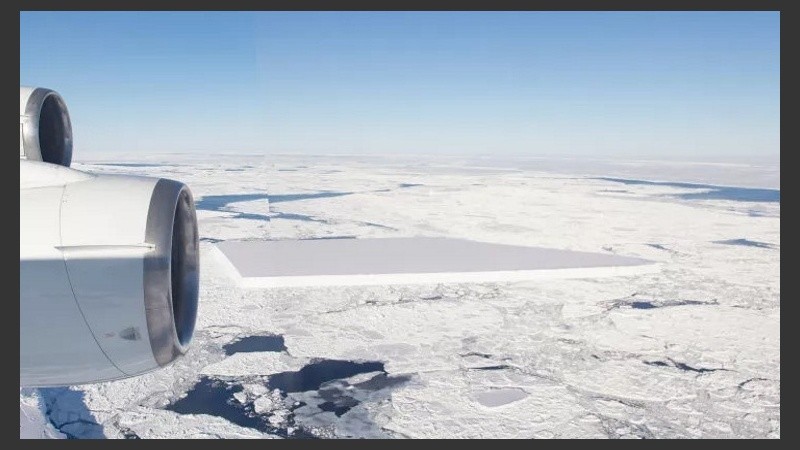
(109, 264)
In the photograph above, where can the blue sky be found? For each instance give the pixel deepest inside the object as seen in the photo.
(659, 85)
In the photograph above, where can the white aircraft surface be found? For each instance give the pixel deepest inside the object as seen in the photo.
(345, 298)
(108, 263)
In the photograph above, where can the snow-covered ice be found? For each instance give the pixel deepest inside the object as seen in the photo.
(690, 351)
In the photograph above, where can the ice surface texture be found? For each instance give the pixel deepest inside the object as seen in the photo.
(690, 351)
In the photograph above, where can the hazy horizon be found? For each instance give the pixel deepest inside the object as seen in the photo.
(752, 174)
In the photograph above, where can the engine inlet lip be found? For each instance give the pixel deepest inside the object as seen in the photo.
(31, 127)
(171, 270)
(184, 268)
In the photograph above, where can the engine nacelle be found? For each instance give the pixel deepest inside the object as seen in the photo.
(109, 267)
(45, 131)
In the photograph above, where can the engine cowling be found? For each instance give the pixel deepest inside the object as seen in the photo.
(45, 131)
(109, 272)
